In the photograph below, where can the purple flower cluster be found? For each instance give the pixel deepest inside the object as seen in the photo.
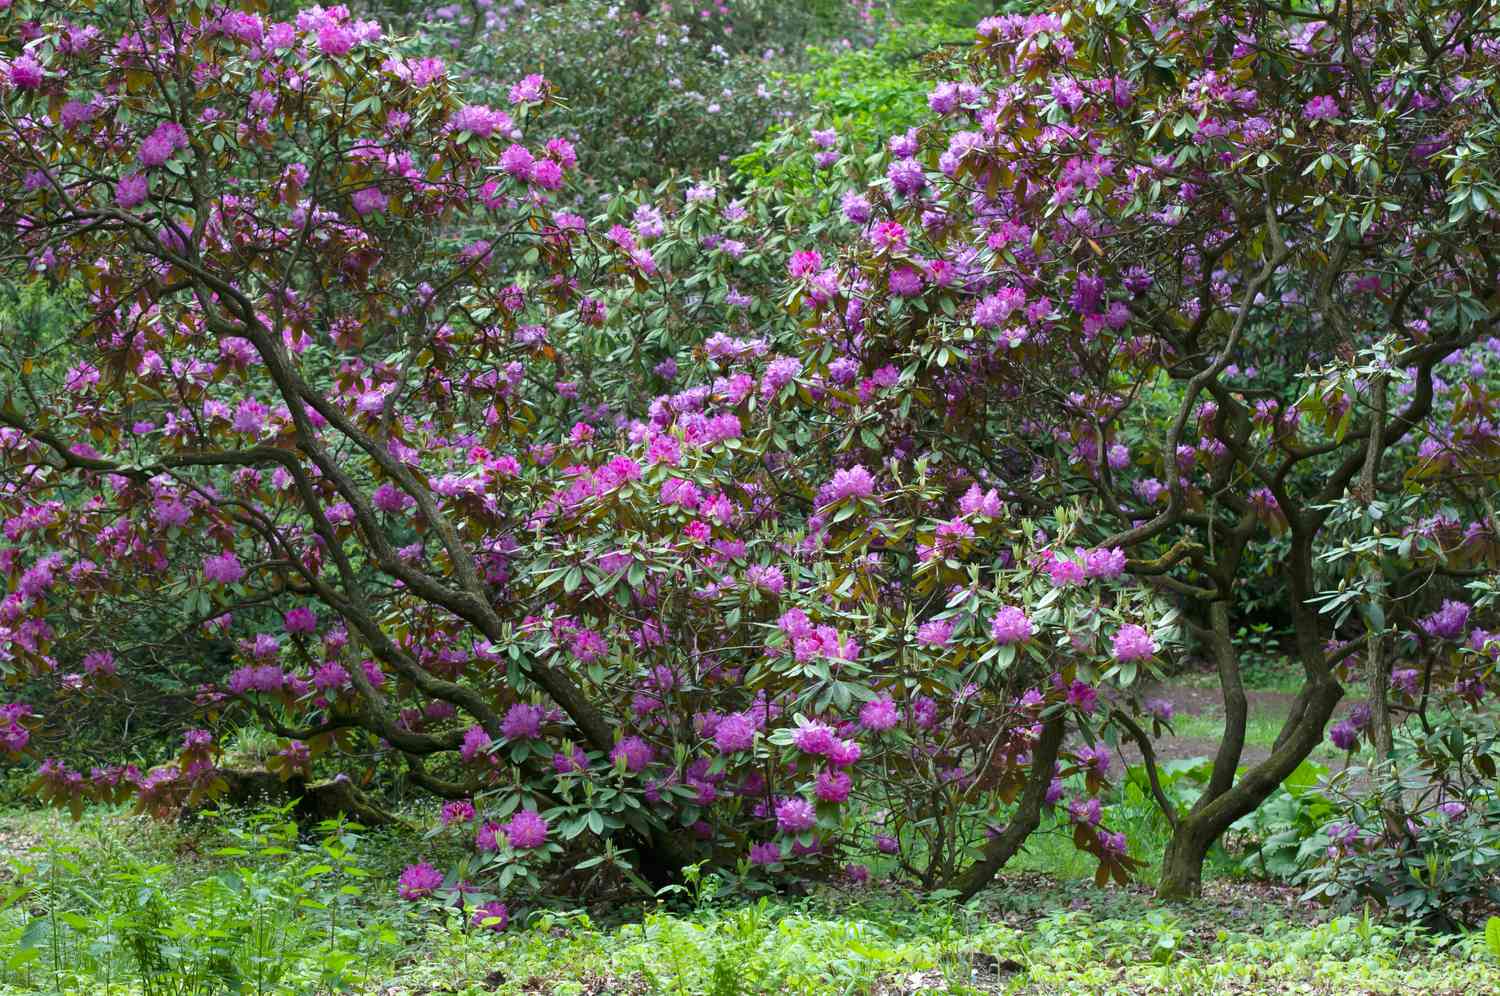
(1010, 625)
(795, 816)
(526, 830)
(1449, 622)
(1132, 643)
(419, 881)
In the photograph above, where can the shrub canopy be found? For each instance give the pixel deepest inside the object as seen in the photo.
(931, 466)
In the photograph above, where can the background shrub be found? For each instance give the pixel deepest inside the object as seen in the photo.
(655, 93)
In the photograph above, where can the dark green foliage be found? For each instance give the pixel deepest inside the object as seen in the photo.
(1275, 837)
(1419, 833)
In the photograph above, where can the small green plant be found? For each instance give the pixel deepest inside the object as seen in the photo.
(266, 913)
(1275, 836)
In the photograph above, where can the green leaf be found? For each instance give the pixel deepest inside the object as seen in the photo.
(31, 937)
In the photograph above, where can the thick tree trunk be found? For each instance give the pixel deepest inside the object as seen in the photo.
(1182, 862)
(1236, 705)
(1226, 800)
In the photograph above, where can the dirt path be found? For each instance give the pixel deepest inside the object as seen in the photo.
(1195, 705)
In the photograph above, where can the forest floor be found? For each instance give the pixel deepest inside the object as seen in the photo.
(1032, 933)
(85, 899)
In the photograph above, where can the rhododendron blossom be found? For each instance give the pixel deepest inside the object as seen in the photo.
(1132, 643)
(1010, 625)
(419, 881)
(526, 830)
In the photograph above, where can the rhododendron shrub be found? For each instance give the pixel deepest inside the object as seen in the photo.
(1413, 826)
(1223, 291)
(1179, 292)
(1415, 819)
(372, 452)
(274, 238)
(853, 538)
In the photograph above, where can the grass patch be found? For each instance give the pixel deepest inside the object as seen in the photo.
(119, 905)
(1260, 728)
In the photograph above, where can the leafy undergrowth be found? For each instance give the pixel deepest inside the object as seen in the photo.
(889, 944)
(116, 905)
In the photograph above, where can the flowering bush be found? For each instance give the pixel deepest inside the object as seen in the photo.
(654, 90)
(272, 306)
(741, 528)
(1435, 864)
(1415, 819)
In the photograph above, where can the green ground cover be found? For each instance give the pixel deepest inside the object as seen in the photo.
(242, 903)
